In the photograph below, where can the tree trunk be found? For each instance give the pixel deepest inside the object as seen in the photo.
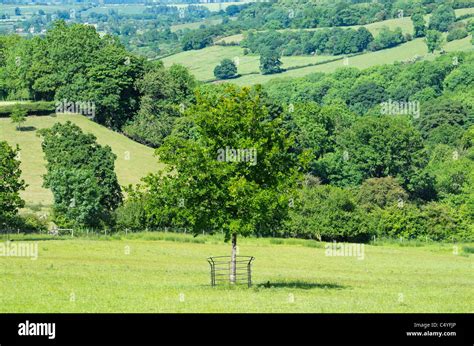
(233, 266)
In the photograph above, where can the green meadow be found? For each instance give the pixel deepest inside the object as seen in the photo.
(202, 62)
(164, 272)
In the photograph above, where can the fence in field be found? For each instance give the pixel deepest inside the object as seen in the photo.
(221, 269)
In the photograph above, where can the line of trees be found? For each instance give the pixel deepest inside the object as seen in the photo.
(333, 41)
(329, 164)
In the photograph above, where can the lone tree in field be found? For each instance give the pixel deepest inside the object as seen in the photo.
(225, 70)
(434, 40)
(231, 168)
(419, 25)
(18, 116)
(270, 62)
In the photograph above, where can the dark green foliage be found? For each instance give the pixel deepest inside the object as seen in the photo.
(433, 40)
(444, 120)
(387, 39)
(31, 108)
(225, 70)
(18, 116)
(270, 62)
(434, 221)
(165, 95)
(73, 63)
(333, 41)
(365, 95)
(456, 34)
(10, 183)
(81, 175)
(25, 223)
(381, 192)
(131, 216)
(376, 147)
(460, 79)
(208, 192)
(419, 25)
(442, 18)
(196, 39)
(328, 213)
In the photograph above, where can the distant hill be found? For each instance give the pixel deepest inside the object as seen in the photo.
(202, 62)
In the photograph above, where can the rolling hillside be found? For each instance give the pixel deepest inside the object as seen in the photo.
(202, 62)
(133, 162)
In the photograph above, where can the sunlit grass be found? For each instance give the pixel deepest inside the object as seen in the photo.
(80, 275)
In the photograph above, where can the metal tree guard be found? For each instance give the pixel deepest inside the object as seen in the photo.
(221, 269)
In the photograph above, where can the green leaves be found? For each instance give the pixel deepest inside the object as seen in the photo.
(80, 173)
(235, 195)
(10, 182)
(270, 62)
(225, 70)
(442, 18)
(434, 40)
(18, 116)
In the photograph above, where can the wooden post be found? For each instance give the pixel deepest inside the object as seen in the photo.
(233, 266)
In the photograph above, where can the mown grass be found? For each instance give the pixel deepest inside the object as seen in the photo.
(134, 160)
(97, 275)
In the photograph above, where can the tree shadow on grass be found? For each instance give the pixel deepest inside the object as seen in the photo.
(27, 128)
(299, 284)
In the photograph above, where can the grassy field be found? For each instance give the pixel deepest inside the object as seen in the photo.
(195, 25)
(133, 159)
(146, 275)
(404, 23)
(202, 62)
(104, 9)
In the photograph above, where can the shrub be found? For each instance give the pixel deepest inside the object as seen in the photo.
(131, 216)
(381, 192)
(27, 223)
(328, 213)
(435, 221)
(456, 34)
(32, 108)
(225, 70)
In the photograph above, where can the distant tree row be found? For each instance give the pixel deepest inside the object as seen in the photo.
(325, 41)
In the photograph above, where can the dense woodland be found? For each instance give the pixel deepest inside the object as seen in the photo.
(333, 162)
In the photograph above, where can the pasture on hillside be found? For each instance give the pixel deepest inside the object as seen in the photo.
(404, 23)
(134, 160)
(164, 272)
(202, 62)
